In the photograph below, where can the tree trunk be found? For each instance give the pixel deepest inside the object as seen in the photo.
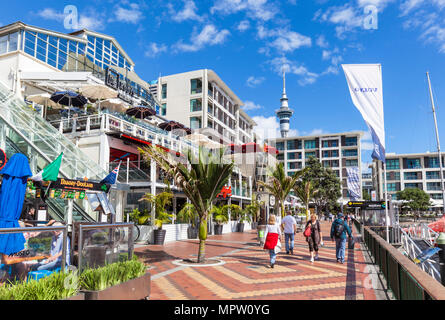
(202, 239)
(282, 209)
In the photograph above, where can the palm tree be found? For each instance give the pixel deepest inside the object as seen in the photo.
(201, 179)
(187, 214)
(280, 185)
(160, 201)
(305, 192)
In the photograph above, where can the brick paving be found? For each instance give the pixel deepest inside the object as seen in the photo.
(245, 273)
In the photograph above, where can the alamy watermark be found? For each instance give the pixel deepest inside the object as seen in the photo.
(71, 20)
(370, 21)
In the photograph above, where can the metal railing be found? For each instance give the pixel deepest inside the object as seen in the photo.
(64, 230)
(117, 237)
(406, 280)
(423, 232)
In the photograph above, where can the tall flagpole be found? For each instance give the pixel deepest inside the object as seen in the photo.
(442, 187)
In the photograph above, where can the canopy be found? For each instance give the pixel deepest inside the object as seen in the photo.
(12, 193)
(98, 92)
(116, 105)
(69, 98)
(170, 125)
(43, 99)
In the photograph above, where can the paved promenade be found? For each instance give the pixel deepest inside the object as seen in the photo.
(245, 272)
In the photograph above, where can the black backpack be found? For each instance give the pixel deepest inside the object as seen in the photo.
(338, 229)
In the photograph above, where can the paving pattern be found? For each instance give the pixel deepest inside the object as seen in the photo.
(246, 274)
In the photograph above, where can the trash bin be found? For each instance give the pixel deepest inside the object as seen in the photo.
(261, 234)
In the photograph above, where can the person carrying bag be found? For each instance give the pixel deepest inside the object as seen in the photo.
(314, 236)
(273, 243)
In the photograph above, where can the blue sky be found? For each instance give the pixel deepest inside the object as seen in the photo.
(249, 42)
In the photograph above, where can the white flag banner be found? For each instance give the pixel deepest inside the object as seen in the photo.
(365, 86)
(353, 180)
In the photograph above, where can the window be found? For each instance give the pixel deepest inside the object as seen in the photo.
(436, 196)
(392, 164)
(413, 185)
(196, 86)
(394, 175)
(433, 186)
(13, 41)
(432, 175)
(433, 162)
(350, 141)
(411, 176)
(164, 91)
(413, 163)
(210, 108)
(350, 153)
(309, 154)
(293, 155)
(391, 187)
(280, 157)
(293, 165)
(195, 122)
(326, 154)
(309, 144)
(163, 109)
(352, 163)
(3, 44)
(330, 143)
(280, 146)
(195, 105)
(293, 144)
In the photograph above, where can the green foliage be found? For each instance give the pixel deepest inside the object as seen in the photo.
(323, 180)
(111, 275)
(305, 192)
(280, 185)
(140, 218)
(221, 213)
(187, 214)
(49, 288)
(160, 201)
(40, 244)
(366, 195)
(417, 199)
(253, 209)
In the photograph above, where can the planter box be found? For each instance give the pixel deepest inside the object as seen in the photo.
(79, 296)
(159, 236)
(192, 233)
(218, 229)
(135, 289)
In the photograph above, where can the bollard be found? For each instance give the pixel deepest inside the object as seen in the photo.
(441, 244)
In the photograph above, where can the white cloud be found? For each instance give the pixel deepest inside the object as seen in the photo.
(249, 106)
(87, 20)
(155, 49)
(133, 14)
(283, 39)
(255, 9)
(189, 12)
(409, 5)
(269, 128)
(208, 36)
(321, 42)
(281, 64)
(254, 81)
(51, 14)
(243, 25)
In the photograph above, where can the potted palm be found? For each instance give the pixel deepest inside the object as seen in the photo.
(253, 210)
(160, 201)
(243, 216)
(220, 216)
(188, 215)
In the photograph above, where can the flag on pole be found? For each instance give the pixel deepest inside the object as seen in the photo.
(353, 181)
(112, 176)
(365, 86)
(50, 172)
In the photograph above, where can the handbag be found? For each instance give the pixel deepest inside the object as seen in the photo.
(277, 248)
(307, 232)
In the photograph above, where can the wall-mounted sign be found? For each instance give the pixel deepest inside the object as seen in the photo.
(2, 159)
(272, 200)
(68, 184)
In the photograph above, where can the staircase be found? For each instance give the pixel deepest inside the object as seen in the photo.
(23, 130)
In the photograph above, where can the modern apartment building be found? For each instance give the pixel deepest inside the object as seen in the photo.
(367, 185)
(336, 151)
(201, 100)
(415, 170)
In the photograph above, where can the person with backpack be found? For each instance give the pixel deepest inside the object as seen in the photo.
(314, 236)
(339, 229)
(272, 242)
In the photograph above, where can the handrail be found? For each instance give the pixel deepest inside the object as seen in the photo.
(432, 287)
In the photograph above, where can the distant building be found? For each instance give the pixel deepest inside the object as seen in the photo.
(415, 170)
(367, 185)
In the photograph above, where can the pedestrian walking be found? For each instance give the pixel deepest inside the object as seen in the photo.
(289, 227)
(339, 229)
(330, 216)
(273, 235)
(315, 237)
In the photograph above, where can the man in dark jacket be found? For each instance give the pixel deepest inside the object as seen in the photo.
(338, 232)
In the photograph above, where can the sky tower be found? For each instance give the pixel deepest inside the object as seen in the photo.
(284, 113)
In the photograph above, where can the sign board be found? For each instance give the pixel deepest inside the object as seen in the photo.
(373, 195)
(42, 212)
(272, 200)
(367, 204)
(2, 159)
(68, 184)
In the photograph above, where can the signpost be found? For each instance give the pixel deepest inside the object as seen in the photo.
(376, 205)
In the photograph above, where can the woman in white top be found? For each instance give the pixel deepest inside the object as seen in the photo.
(274, 229)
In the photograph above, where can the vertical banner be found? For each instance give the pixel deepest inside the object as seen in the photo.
(353, 181)
(365, 86)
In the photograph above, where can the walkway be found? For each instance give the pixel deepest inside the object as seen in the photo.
(245, 273)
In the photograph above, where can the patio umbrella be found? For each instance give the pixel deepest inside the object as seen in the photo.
(141, 112)
(43, 99)
(12, 193)
(116, 105)
(98, 92)
(69, 98)
(171, 125)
